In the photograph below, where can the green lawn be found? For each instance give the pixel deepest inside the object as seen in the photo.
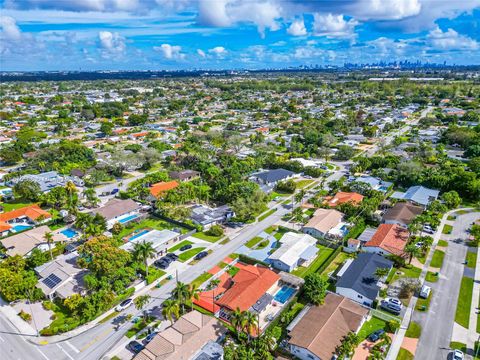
(201, 279)
(252, 242)
(437, 259)
(370, 326)
(414, 330)
(203, 236)
(179, 245)
(338, 261)
(14, 205)
(447, 229)
(302, 183)
(233, 271)
(322, 256)
(263, 244)
(404, 354)
(423, 304)
(409, 271)
(267, 214)
(471, 259)
(189, 254)
(148, 223)
(451, 217)
(464, 301)
(442, 243)
(431, 277)
(271, 229)
(458, 346)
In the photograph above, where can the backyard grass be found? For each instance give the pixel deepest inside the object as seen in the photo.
(455, 345)
(189, 254)
(447, 229)
(462, 314)
(252, 242)
(442, 243)
(471, 259)
(150, 223)
(370, 326)
(322, 256)
(414, 330)
(302, 183)
(201, 279)
(409, 271)
(423, 304)
(179, 245)
(14, 205)
(267, 214)
(437, 259)
(431, 277)
(203, 236)
(404, 354)
(338, 261)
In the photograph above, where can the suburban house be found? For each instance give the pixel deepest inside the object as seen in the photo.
(357, 280)
(23, 218)
(343, 198)
(389, 239)
(156, 190)
(353, 245)
(374, 183)
(270, 178)
(61, 277)
(22, 244)
(317, 331)
(184, 175)
(161, 240)
(296, 250)
(402, 213)
(417, 194)
(117, 210)
(325, 223)
(187, 338)
(47, 180)
(207, 216)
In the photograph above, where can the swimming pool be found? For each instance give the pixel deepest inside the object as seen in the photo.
(141, 233)
(285, 293)
(69, 233)
(18, 228)
(127, 219)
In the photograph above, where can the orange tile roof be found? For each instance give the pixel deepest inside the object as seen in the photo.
(33, 212)
(140, 134)
(391, 238)
(249, 285)
(158, 188)
(4, 226)
(344, 197)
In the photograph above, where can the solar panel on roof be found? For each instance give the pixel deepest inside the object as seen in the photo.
(52, 280)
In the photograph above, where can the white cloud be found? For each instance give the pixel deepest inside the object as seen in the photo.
(219, 51)
(297, 28)
(334, 26)
(388, 47)
(111, 43)
(170, 51)
(385, 9)
(450, 40)
(201, 53)
(10, 30)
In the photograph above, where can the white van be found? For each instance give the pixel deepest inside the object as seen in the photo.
(425, 291)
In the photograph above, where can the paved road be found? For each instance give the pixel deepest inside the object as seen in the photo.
(437, 323)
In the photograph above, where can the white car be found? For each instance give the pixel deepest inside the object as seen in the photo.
(123, 305)
(457, 355)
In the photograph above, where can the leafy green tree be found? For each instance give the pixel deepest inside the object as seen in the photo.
(451, 199)
(27, 190)
(315, 288)
(16, 281)
(413, 251)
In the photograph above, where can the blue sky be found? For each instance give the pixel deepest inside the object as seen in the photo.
(229, 34)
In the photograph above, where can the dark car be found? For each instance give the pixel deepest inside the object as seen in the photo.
(186, 247)
(201, 255)
(149, 337)
(172, 256)
(161, 264)
(114, 191)
(376, 335)
(166, 259)
(135, 347)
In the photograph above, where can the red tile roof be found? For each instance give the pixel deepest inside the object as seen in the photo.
(159, 188)
(249, 285)
(4, 226)
(33, 212)
(391, 238)
(344, 197)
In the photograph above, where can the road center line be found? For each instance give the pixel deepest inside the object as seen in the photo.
(66, 353)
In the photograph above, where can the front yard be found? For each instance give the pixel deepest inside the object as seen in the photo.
(371, 326)
(209, 238)
(437, 259)
(187, 255)
(464, 302)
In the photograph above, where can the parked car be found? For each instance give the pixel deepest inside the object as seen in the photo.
(161, 264)
(124, 304)
(172, 256)
(166, 259)
(428, 229)
(186, 247)
(457, 355)
(201, 255)
(114, 191)
(392, 305)
(149, 337)
(135, 347)
(376, 335)
(425, 291)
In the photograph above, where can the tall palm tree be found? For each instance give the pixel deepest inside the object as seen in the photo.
(194, 293)
(251, 323)
(170, 309)
(48, 237)
(181, 293)
(71, 191)
(142, 251)
(412, 250)
(237, 319)
(140, 302)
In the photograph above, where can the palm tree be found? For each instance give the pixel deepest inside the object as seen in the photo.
(214, 283)
(140, 302)
(142, 251)
(170, 309)
(48, 236)
(194, 293)
(93, 230)
(91, 196)
(412, 250)
(82, 220)
(381, 272)
(71, 190)
(181, 293)
(237, 319)
(251, 323)
(299, 196)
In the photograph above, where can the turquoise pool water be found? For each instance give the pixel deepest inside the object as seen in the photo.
(18, 228)
(285, 293)
(127, 219)
(69, 233)
(143, 232)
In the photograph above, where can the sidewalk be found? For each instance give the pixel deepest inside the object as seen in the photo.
(472, 329)
(22, 326)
